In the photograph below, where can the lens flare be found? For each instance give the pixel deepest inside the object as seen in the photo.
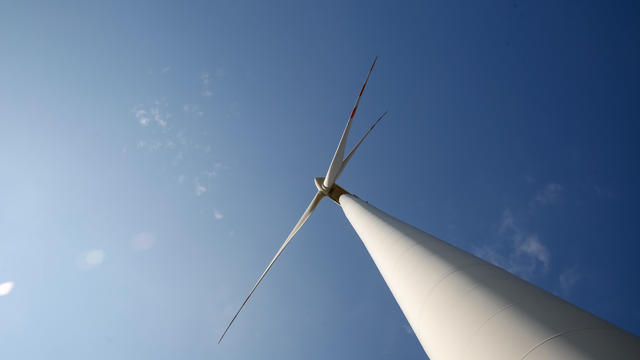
(6, 287)
(143, 241)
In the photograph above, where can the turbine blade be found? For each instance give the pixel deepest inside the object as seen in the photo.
(336, 162)
(346, 160)
(301, 221)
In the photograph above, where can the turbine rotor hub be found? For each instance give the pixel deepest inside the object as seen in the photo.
(319, 181)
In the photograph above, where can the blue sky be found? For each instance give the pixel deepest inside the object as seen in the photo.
(155, 155)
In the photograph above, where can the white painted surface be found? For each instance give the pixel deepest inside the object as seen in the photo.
(462, 307)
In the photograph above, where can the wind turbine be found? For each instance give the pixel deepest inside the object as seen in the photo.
(458, 305)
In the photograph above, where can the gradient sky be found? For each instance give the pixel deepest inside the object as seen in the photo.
(155, 155)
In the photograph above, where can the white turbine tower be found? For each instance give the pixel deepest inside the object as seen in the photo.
(460, 306)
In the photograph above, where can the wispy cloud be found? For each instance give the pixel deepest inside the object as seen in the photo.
(192, 109)
(156, 113)
(523, 253)
(549, 194)
(177, 159)
(199, 188)
(216, 168)
(6, 287)
(519, 250)
(205, 77)
(176, 140)
(151, 145)
(508, 223)
(603, 192)
(142, 117)
(158, 117)
(217, 214)
(162, 70)
(531, 246)
(568, 279)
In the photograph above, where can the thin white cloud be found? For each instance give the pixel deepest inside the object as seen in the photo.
(6, 287)
(217, 214)
(168, 138)
(523, 253)
(216, 168)
(603, 192)
(158, 116)
(205, 77)
(507, 222)
(177, 159)
(166, 69)
(532, 246)
(549, 194)
(156, 113)
(151, 145)
(192, 109)
(568, 279)
(141, 115)
(181, 138)
(200, 189)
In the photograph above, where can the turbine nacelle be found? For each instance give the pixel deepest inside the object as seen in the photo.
(333, 192)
